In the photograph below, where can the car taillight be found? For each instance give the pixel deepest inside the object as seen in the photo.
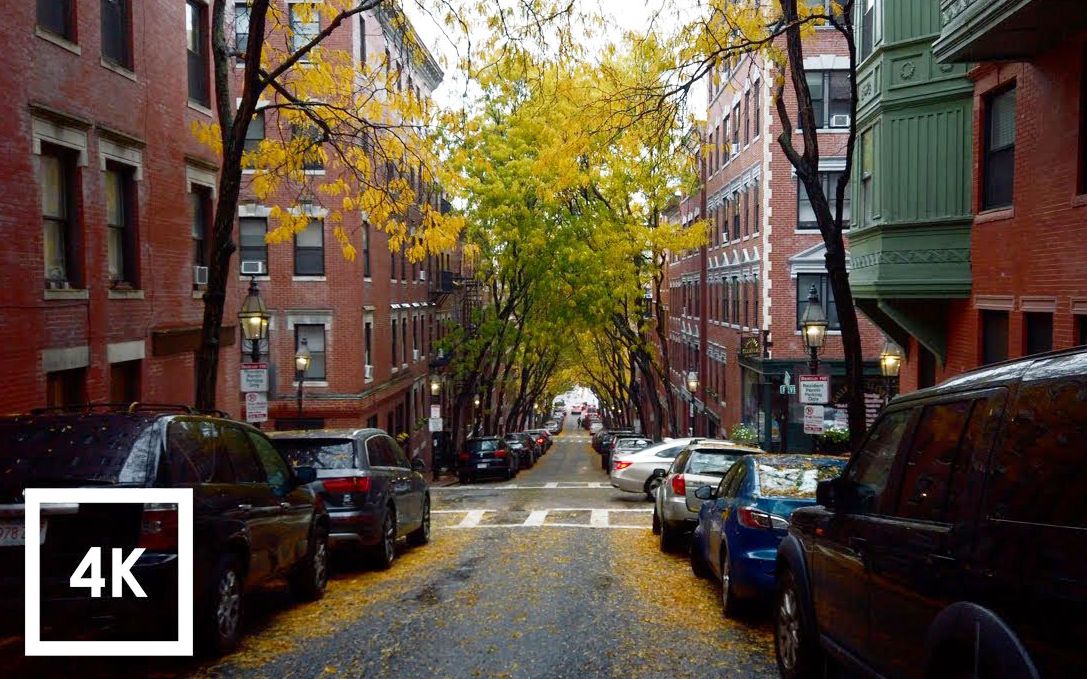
(756, 518)
(540, 440)
(622, 464)
(158, 529)
(500, 453)
(349, 484)
(679, 485)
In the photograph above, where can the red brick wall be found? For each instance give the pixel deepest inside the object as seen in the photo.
(149, 107)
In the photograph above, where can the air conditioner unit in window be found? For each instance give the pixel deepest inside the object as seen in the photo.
(368, 371)
(252, 267)
(200, 275)
(415, 354)
(422, 274)
(839, 120)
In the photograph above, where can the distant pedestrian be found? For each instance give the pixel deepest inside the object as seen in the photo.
(579, 422)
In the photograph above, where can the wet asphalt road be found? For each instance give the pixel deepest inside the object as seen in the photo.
(554, 574)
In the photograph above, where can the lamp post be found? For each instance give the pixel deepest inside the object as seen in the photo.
(475, 418)
(435, 397)
(253, 319)
(302, 360)
(890, 363)
(814, 324)
(692, 387)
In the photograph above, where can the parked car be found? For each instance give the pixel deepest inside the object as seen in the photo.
(256, 520)
(625, 445)
(675, 510)
(374, 495)
(605, 442)
(524, 445)
(636, 472)
(486, 456)
(953, 544)
(746, 515)
(553, 426)
(543, 439)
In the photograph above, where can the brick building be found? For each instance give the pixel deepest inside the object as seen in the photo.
(736, 304)
(104, 188)
(971, 246)
(369, 324)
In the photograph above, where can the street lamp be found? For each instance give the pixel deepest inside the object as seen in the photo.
(302, 359)
(814, 323)
(692, 387)
(890, 363)
(435, 386)
(253, 319)
(476, 401)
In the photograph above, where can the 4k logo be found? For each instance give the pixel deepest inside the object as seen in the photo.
(122, 573)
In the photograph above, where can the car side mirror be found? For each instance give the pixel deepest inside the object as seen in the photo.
(705, 493)
(304, 475)
(660, 472)
(829, 493)
(417, 464)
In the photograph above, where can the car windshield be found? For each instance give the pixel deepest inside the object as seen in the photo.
(479, 445)
(710, 462)
(105, 451)
(319, 453)
(795, 477)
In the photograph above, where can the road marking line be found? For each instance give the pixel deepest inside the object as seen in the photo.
(536, 518)
(472, 519)
(552, 525)
(599, 518)
(549, 509)
(552, 484)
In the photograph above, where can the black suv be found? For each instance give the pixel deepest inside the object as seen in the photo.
(255, 520)
(955, 542)
(486, 455)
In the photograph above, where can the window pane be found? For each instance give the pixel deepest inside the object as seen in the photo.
(115, 215)
(51, 177)
(244, 462)
(309, 261)
(305, 24)
(1039, 328)
(56, 264)
(116, 253)
(994, 330)
(254, 132)
(314, 336)
(999, 151)
(241, 26)
(933, 461)
(815, 84)
(55, 16)
(312, 235)
(115, 31)
(805, 213)
(873, 463)
(839, 94)
(1002, 120)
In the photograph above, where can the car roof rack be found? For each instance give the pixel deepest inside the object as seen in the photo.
(130, 408)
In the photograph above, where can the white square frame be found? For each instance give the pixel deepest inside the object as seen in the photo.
(35, 498)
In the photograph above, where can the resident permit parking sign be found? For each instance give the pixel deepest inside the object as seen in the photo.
(254, 377)
(815, 388)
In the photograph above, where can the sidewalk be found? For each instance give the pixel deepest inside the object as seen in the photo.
(444, 479)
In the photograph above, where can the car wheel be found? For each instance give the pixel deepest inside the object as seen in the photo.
(730, 603)
(698, 563)
(656, 522)
(311, 578)
(795, 645)
(651, 486)
(669, 537)
(223, 616)
(421, 535)
(385, 551)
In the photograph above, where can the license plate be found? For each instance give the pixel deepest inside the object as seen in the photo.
(13, 533)
(481, 465)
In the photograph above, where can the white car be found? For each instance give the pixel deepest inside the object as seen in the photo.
(634, 472)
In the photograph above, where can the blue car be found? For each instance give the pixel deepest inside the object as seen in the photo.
(744, 518)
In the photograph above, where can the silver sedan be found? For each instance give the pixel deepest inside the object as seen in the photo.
(675, 512)
(636, 472)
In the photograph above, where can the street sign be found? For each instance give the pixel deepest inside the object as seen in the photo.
(813, 420)
(435, 410)
(254, 377)
(815, 388)
(256, 407)
(787, 387)
(435, 424)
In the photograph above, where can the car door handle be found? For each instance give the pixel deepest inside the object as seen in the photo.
(284, 505)
(245, 508)
(942, 560)
(858, 544)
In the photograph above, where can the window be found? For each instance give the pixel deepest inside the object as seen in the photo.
(821, 281)
(66, 387)
(747, 117)
(309, 250)
(115, 32)
(314, 336)
(309, 143)
(994, 336)
(197, 51)
(868, 195)
(868, 23)
(736, 129)
(872, 465)
(404, 339)
(56, 173)
(744, 220)
(735, 317)
(200, 199)
(736, 216)
(366, 249)
(120, 226)
(756, 111)
(755, 207)
(241, 26)
(371, 422)
(934, 461)
(56, 16)
(999, 161)
(252, 247)
(1039, 332)
(197, 454)
(1082, 184)
(394, 352)
(1081, 330)
(368, 342)
(805, 212)
(124, 382)
(830, 97)
(254, 132)
(724, 141)
(275, 467)
(379, 451)
(305, 24)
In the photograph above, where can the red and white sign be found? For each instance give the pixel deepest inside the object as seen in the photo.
(813, 419)
(256, 407)
(254, 377)
(815, 388)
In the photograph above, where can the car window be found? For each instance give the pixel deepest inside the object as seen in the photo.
(873, 462)
(726, 481)
(933, 461)
(710, 462)
(379, 452)
(794, 476)
(399, 458)
(275, 467)
(196, 454)
(484, 445)
(318, 453)
(681, 459)
(1039, 473)
(243, 458)
(736, 475)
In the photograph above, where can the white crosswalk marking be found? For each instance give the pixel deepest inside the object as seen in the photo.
(599, 518)
(472, 519)
(559, 517)
(536, 518)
